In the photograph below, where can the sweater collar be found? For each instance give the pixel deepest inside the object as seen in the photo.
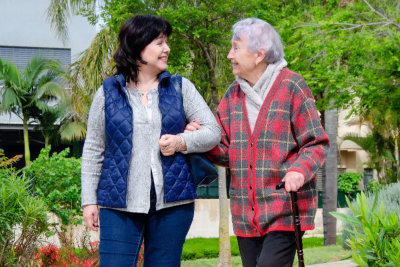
(259, 91)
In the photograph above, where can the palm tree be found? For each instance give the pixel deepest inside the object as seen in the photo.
(59, 11)
(86, 74)
(59, 122)
(71, 129)
(28, 93)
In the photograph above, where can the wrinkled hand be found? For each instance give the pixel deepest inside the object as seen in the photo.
(91, 216)
(193, 126)
(293, 181)
(169, 144)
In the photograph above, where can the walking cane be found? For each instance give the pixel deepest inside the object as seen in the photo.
(296, 222)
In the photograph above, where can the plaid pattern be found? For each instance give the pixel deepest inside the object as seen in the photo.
(288, 136)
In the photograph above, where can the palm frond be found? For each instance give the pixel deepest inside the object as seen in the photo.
(59, 11)
(38, 68)
(366, 143)
(73, 131)
(10, 75)
(54, 71)
(10, 99)
(389, 155)
(92, 67)
(50, 90)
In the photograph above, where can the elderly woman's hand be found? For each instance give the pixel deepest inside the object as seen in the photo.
(169, 144)
(293, 181)
(193, 126)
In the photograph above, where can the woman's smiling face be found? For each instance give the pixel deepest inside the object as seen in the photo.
(155, 54)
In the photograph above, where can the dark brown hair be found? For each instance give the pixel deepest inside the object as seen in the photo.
(133, 37)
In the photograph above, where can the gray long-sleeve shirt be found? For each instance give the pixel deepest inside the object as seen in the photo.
(145, 159)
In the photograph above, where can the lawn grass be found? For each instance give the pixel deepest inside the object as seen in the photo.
(312, 255)
(204, 251)
(197, 248)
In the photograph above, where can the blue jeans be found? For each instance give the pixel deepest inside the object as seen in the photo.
(163, 232)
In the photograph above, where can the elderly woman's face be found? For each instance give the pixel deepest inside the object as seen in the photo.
(243, 61)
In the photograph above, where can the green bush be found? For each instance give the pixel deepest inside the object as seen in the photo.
(388, 195)
(348, 182)
(374, 186)
(56, 179)
(374, 233)
(23, 218)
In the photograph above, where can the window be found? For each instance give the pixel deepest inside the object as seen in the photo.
(22, 55)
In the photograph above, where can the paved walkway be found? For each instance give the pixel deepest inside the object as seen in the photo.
(346, 263)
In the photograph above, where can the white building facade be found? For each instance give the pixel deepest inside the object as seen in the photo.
(25, 32)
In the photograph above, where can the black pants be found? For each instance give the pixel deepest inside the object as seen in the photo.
(275, 249)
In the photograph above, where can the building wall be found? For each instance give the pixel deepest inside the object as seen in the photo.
(25, 31)
(351, 156)
(24, 23)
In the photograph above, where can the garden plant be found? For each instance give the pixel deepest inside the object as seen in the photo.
(56, 180)
(348, 182)
(23, 216)
(374, 228)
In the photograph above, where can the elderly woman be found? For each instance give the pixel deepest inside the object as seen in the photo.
(271, 132)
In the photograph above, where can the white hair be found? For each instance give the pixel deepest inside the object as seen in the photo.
(260, 35)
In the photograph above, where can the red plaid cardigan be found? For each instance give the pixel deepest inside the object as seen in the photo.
(288, 136)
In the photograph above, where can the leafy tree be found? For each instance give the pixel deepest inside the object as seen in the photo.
(28, 93)
(56, 179)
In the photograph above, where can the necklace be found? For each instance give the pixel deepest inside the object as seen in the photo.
(135, 88)
(142, 92)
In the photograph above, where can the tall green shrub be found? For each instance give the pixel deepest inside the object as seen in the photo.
(374, 233)
(348, 182)
(56, 179)
(23, 218)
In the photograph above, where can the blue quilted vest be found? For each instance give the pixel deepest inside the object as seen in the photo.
(178, 181)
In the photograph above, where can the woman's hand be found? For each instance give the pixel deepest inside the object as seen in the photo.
(293, 181)
(91, 216)
(193, 126)
(169, 144)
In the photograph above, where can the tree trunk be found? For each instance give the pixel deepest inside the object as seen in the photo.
(396, 154)
(224, 238)
(46, 140)
(26, 142)
(75, 149)
(330, 182)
